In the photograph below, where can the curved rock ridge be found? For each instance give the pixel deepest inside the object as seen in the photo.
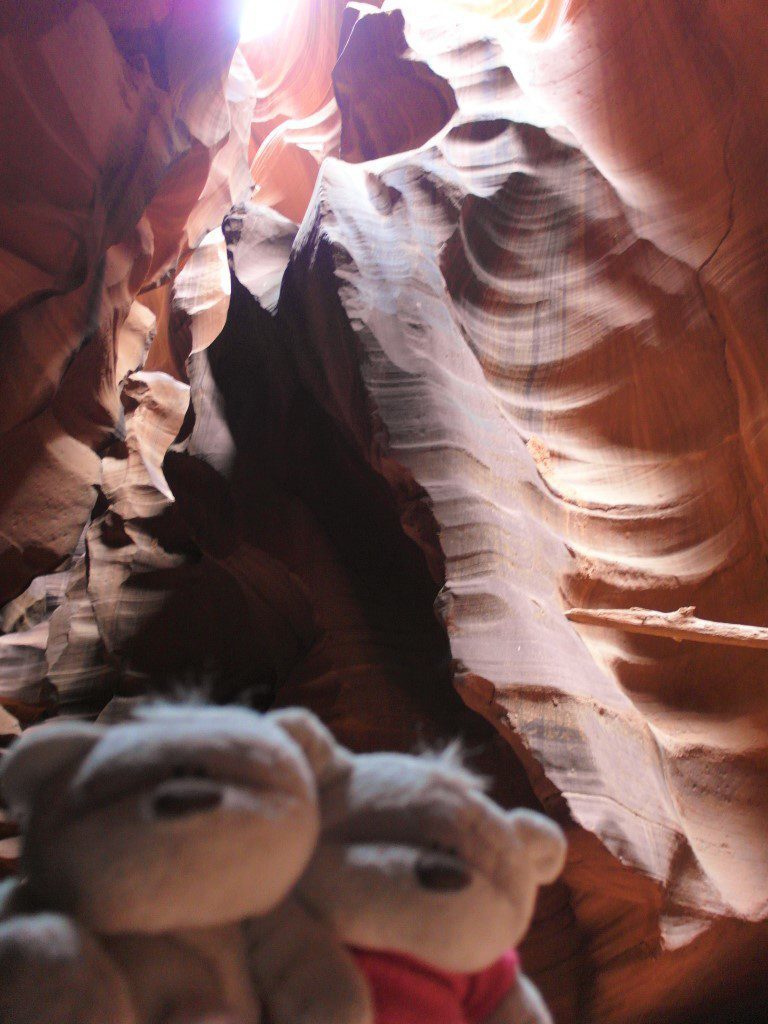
(133, 606)
(531, 345)
(329, 53)
(88, 331)
(98, 188)
(275, 495)
(296, 121)
(539, 18)
(389, 101)
(560, 365)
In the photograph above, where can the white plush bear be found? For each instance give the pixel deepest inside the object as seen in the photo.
(430, 886)
(146, 844)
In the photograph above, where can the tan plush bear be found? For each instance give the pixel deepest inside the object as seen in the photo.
(146, 844)
(428, 884)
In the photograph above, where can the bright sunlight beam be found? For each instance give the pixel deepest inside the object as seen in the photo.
(263, 17)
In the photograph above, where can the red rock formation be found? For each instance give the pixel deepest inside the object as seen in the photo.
(526, 318)
(296, 122)
(514, 366)
(97, 185)
(389, 101)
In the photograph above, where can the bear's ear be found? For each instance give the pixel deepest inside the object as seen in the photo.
(543, 842)
(122, 709)
(325, 756)
(39, 755)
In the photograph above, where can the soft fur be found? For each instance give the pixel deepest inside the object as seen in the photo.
(51, 970)
(152, 840)
(415, 859)
(159, 852)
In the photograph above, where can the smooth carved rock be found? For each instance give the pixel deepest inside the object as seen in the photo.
(389, 101)
(97, 187)
(167, 615)
(144, 610)
(274, 492)
(554, 378)
(295, 121)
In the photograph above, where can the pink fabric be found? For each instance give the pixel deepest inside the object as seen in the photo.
(407, 991)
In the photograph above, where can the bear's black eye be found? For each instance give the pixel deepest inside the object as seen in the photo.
(189, 771)
(451, 851)
(439, 871)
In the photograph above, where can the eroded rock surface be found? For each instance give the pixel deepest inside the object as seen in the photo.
(555, 354)
(98, 181)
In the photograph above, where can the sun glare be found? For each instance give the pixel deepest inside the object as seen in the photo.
(263, 17)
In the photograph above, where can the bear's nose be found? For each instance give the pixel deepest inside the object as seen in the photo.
(177, 798)
(442, 872)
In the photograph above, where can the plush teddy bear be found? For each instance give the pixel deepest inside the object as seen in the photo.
(146, 844)
(428, 883)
